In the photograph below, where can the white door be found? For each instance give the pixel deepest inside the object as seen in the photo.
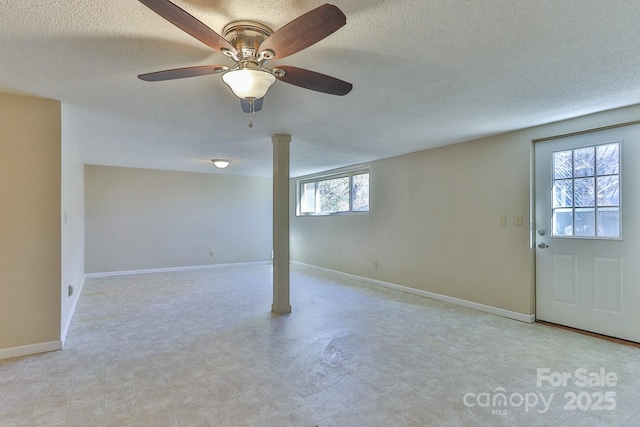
(587, 234)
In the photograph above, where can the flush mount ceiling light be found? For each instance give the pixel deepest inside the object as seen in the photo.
(221, 163)
(251, 45)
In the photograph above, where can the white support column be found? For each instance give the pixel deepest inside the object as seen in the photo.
(281, 304)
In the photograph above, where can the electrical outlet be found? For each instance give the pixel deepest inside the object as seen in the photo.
(211, 254)
(375, 265)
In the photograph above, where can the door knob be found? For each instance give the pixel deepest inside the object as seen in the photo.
(542, 245)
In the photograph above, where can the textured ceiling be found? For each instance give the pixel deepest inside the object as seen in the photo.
(425, 73)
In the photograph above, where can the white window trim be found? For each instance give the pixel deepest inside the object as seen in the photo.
(339, 173)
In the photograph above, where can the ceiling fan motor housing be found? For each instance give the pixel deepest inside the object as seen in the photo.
(246, 37)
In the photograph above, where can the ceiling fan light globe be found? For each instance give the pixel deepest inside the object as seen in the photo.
(248, 84)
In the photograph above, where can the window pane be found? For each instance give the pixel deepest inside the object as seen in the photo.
(585, 192)
(563, 222)
(308, 197)
(563, 193)
(584, 163)
(333, 195)
(609, 222)
(361, 192)
(562, 164)
(344, 192)
(585, 222)
(608, 190)
(608, 159)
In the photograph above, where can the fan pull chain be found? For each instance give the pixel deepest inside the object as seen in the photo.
(253, 111)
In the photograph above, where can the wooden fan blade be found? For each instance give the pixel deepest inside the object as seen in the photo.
(304, 31)
(246, 107)
(314, 81)
(186, 22)
(181, 73)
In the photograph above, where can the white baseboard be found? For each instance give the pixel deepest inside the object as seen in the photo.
(63, 336)
(25, 350)
(527, 318)
(170, 269)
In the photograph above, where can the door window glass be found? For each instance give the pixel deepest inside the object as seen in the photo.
(586, 192)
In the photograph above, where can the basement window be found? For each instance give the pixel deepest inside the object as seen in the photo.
(340, 193)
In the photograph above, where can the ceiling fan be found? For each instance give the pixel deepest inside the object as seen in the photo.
(251, 45)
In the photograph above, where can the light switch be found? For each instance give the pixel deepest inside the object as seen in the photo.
(502, 221)
(517, 220)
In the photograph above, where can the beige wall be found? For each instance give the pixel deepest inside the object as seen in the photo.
(434, 218)
(146, 219)
(72, 215)
(30, 157)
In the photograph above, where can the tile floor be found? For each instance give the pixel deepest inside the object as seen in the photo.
(200, 348)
